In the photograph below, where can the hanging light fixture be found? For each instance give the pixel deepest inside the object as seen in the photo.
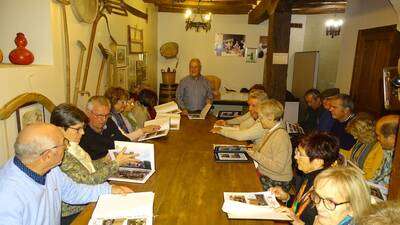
(197, 20)
(333, 26)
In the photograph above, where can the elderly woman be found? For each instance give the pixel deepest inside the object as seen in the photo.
(315, 153)
(274, 152)
(365, 152)
(77, 163)
(118, 98)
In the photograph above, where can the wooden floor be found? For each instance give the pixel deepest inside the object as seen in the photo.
(188, 183)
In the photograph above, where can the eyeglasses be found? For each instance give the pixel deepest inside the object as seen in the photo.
(65, 144)
(79, 129)
(329, 204)
(101, 115)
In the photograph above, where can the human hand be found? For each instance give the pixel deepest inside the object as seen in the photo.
(117, 189)
(279, 193)
(220, 122)
(208, 101)
(290, 214)
(215, 130)
(150, 129)
(184, 112)
(123, 158)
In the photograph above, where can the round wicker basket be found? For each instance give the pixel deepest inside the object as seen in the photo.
(169, 50)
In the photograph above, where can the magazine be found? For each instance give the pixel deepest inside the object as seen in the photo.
(252, 205)
(202, 115)
(169, 107)
(140, 171)
(129, 209)
(230, 153)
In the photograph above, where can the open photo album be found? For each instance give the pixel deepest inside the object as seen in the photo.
(252, 205)
(129, 209)
(230, 153)
(202, 115)
(140, 171)
(169, 107)
(174, 120)
(164, 129)
(293, 128)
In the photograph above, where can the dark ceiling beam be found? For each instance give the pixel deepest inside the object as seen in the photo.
(324, 9)
(262, 11)
(213, 10)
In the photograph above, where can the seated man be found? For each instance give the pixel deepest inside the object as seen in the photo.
(194, 91)
(386, 131)
(32, 185)
(314, 110)
(342, 108)
(325, 121)
(250, 128)
(101, 131)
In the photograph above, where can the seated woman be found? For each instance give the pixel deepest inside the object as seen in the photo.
(118, 98)
(274, 152)
(76, 163)
(365, 152)
(143, 109)
(315, 153)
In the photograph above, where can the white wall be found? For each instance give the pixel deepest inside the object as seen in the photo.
(360, 14)
(295, 45)
(49, 79)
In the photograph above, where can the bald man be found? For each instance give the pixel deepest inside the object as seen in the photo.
(32, 185)
(194, 91)
(386, 131)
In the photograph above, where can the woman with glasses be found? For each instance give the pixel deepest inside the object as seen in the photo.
(315, 153)
(274, 151)
(77, 163)
(118, 98)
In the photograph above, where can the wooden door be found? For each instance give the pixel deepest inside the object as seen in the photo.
(376, 48)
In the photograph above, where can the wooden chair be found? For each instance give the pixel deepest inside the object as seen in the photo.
(215, 83)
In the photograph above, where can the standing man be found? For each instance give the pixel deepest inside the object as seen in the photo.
(32, 185)
(194, 91)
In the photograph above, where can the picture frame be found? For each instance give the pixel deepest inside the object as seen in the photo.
(121, 77)
(251, 55)
(230, 45)
(30, 113)
(131, 72)
(262, 47)
(135, 40)
(120, 56)
(228, 114)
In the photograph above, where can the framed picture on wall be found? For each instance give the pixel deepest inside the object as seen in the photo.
(120, 56)
(230, 44)
(121, 77)
(135, 40)
(251, 55)
(30, 113)
(262, 46)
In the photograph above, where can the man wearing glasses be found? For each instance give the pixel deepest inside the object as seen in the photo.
(101, 131)
(32, 185)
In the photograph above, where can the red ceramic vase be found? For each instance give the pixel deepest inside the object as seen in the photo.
(21, 55)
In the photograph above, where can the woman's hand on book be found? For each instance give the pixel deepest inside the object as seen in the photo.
(215, 130)
(124, 158)
(290, 214)
(220, 123)
(150, 129)
(279, 193)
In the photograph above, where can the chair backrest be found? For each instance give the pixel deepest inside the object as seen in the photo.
(215, 83)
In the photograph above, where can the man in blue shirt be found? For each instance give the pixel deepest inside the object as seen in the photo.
(194, 91)
(32, 185)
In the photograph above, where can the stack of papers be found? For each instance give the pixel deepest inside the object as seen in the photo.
(138, 172)
(164, 128)
(174, 119)
(252, 205)
(169, 107)
(130, 209)
(202, 115)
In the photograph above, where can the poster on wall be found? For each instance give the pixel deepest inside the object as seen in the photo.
(262, 46)
(230, 45)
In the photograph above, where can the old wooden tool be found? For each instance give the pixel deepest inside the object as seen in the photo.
(105, 54)
(78, 72)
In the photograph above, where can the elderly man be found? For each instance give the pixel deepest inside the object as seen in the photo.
(314, 110)
(32, 185)
(342, 108)
(194, 91)
(250, 129)
(386, 131)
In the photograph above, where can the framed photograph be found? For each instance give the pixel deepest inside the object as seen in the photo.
(228, 114)
(30, 113)
(230, 45)
(251, 55)
(262, 46)
(135, 40)
(121, 77)
(131, 72)
(120, 56)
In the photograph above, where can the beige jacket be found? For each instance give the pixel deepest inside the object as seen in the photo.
(253, 133)
(274, 154)
(245, 121)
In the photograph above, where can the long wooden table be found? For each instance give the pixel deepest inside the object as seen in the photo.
(188, 183)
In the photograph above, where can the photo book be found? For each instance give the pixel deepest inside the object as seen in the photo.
(230, 153)
(169, 107)
(202, 115)
(378, 192)
(174, 120)
(252, 205)
(164, 129)
(130, 209)
(293, 128)
(140, 171)
(228, 114)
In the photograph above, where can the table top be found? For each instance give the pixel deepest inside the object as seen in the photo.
(188, 183)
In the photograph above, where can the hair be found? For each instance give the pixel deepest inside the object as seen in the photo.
(389, 128)
(147, 98)
(66, 115)
(195, 60)
(258, 94)
(347, 101)
(383, 213)
(362, 126)
(257, 87)
(101, 100)
(350, 184)
(321, 145)
(114, 94)
(313, 92)
(329, 93)
(272, 106)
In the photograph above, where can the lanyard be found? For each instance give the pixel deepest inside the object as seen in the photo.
(346, 220)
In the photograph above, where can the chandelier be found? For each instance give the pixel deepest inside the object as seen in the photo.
(332, 27)
(197, 20)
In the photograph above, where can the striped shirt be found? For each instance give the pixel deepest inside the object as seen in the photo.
(192, 93)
